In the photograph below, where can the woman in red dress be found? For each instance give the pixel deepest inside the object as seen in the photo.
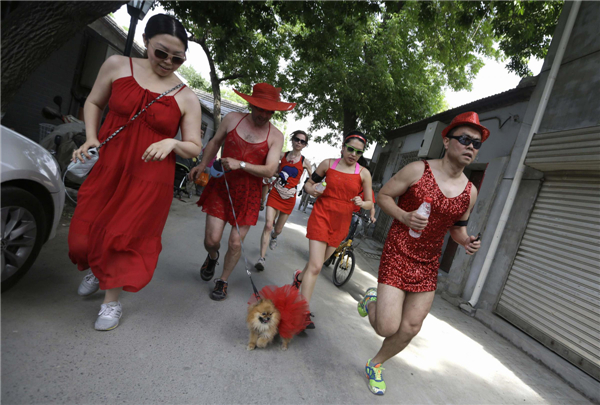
(332, 212)
(123, 204)
(282, 197)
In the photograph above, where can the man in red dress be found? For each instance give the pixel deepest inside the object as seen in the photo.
(251, 149)
(408, 269)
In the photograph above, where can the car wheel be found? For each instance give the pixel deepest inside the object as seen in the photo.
(23, 231)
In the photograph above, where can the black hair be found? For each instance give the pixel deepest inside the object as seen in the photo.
(166, 24)
(300, 132)
(362, 161)
(361, 137)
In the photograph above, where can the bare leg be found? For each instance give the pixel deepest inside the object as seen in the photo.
(265, 190)
(234, 250)
(317, 252)
(385, 314)
(213, 234)
(281, 220)
(112, 295)
(416, 308)
(266, 234)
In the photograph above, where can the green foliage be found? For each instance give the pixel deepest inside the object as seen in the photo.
(194, 79)
(368, 65)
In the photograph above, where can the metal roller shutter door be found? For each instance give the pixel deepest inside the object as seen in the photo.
(553, 288)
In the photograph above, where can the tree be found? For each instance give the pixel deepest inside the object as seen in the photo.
(240, 40)
(379, 65)
(194, 79)
(31, 31)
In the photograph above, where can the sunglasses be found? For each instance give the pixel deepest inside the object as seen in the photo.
(465, 140)
(176, 60)
(352, 149)
(302, 141)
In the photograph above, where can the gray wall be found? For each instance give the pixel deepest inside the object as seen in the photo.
(54, 77)
(575, 98)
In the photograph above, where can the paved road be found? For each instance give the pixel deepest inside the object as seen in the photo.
(175, 345)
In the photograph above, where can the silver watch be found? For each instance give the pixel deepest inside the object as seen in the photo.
(243, 165)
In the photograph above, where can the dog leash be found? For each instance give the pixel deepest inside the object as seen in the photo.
(256, 294)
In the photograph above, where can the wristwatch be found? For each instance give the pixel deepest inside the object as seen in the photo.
(243, 165)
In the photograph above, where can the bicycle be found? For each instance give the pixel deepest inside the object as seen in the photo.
(345, 263)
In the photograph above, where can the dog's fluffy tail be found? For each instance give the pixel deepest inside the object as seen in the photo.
(292, 306)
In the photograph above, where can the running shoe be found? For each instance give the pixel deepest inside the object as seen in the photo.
(297, 283)
(273, 241)
(207, 271)
(109, 315)
(370, 295)
(89, 285)
(376, 383)
(260, 264)
(310, 324)
(219, 293)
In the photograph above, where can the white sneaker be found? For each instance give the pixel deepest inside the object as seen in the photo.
(89, 285)
(273, 241)
(260, 264)
(109, 315)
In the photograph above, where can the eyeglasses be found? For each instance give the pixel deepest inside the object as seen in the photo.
(302, 141)
(352, 149)
(160, 54)
(465, 140)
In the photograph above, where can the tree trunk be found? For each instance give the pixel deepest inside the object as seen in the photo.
(350, 119)
(36, 29)
(215, 83)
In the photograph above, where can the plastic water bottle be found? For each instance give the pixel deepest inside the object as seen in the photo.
(321, 187)
(424, 211)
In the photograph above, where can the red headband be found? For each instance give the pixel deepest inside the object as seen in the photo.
(362, 138)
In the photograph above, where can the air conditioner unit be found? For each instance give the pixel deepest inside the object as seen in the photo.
(432, 145)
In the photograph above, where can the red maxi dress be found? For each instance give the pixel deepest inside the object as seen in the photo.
(245, 188)
(411, 264)
(332, 212)
(295, 173)
(122, 206)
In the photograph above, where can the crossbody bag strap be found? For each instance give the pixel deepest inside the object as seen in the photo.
(141, 111)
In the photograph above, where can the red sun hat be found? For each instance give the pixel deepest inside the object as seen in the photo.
(266, 97)
(470, 119)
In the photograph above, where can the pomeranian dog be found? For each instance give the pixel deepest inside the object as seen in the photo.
(263, 322)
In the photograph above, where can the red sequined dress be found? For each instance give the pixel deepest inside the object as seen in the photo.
(411, 264)
(122, 206)
(244, 187)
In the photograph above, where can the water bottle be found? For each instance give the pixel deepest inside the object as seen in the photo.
(321, 187)
(424, 211)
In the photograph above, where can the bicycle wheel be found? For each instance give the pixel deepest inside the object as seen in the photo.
(344, 267)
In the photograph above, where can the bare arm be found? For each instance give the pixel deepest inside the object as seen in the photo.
(96, 102)
(309, 186)
(459, 233)
(367, 203)
(396, 187)
(308, 166)
(213, 146)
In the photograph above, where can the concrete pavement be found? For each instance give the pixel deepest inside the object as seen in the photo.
(174, 345)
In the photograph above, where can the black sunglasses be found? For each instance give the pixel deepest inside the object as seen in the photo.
(465, 140)
(176, 60)
(351, 149)
(302, 141)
